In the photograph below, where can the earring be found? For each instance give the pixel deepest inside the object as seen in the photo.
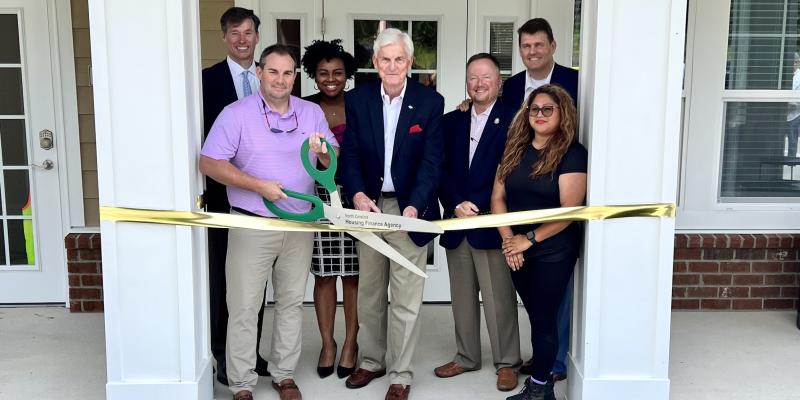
(346, 86)
(315, 87)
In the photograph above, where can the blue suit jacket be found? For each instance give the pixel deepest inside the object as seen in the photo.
(514, 87)
(218, 92)
(416, 158)
(462, 181)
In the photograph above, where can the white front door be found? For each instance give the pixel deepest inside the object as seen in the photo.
(445, 34)
(32, 267)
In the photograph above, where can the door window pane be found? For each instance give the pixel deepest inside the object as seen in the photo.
(762, 43)
(759, 155)
(288, 34)
(20, 242)
(9, 39)
(13, 142)
(11, 91)
(17, 190)
(423, 34)
(2, 243)
(364, 34)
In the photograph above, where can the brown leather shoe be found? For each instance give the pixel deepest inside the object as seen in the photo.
(288, 390)
(506, 379)
(243, 395)
(397, 392)
(361, 377)
(449, 370)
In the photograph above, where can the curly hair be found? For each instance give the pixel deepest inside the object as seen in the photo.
(520, 135)
(320, 50)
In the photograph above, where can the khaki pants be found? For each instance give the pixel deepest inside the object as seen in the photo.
(472, 271)
(253, 257)
(377, 274)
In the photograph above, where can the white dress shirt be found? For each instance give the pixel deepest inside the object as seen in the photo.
(236, 74)
(533, 84)
(477, 123)
(391, 113)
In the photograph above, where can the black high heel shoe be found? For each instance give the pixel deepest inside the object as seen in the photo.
(325, 372)
(343, 372)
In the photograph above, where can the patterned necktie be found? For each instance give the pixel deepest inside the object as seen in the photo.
(246, 90)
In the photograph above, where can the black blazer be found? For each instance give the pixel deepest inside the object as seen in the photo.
(218, 92)
(417, 156)
(514, 87)
(462, 181)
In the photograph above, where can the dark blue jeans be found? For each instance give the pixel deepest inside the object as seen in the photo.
(541, 284)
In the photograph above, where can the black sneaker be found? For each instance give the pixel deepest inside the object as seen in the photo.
(535, 391)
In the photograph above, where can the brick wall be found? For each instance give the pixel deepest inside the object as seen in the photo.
(85, 271)
(711, 272)
(736, 272)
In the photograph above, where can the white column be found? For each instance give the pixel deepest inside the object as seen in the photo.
(631, 74)
(146, 70)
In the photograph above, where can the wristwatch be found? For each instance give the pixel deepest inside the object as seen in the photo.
(531, 237)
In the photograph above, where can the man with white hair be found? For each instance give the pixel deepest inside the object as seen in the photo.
(391, 158)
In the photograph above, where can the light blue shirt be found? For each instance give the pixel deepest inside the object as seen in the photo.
(236, 74)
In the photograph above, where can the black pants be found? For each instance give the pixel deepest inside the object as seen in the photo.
(541, 283)
(217, 250)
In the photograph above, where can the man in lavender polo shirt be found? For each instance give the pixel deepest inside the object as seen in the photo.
(254, 148)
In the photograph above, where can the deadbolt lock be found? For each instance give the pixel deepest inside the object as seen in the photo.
(46, 139)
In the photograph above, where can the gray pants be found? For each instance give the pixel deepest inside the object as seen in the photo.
(474, 271)
(253, 257)
(377, 274)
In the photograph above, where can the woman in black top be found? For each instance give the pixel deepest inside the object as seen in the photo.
(335, 253)
(543, 166)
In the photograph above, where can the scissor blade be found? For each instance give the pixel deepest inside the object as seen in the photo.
(364, 219)
(372, 240)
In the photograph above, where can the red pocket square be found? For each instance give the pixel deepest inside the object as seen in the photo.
(415, 129)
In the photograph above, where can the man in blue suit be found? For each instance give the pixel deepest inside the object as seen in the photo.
(474, 144)
(223, 83)
(391, 161)
(536, 48)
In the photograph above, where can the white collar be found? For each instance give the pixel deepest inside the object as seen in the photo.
(532, 83)
(485, 112)
(385, 96)
(237, 69)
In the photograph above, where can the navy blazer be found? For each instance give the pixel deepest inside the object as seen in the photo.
(218, 92)
(514, 87)
(417, 156)
(462, 181)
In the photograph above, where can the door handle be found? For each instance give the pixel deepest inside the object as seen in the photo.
(46, 165)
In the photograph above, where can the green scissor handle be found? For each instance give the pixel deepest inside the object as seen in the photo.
(325, 178)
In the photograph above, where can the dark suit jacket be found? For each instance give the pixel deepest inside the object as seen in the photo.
(462, 181)
(514, 87)
(218, 92)
(417, 157)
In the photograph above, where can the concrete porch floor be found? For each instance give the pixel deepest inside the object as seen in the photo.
(48, 353)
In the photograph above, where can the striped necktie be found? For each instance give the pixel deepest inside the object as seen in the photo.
(246, 89)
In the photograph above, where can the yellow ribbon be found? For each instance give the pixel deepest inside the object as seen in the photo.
(217, 220)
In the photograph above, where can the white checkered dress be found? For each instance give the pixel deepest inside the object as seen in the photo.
(334, 252)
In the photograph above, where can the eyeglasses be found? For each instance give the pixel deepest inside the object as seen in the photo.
(546, 111)
(276, 130)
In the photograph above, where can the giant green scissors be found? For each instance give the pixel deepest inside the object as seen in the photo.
(349, 218)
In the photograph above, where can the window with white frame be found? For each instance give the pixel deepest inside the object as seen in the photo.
(761, 124)
(289, 33)
(424, 34)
